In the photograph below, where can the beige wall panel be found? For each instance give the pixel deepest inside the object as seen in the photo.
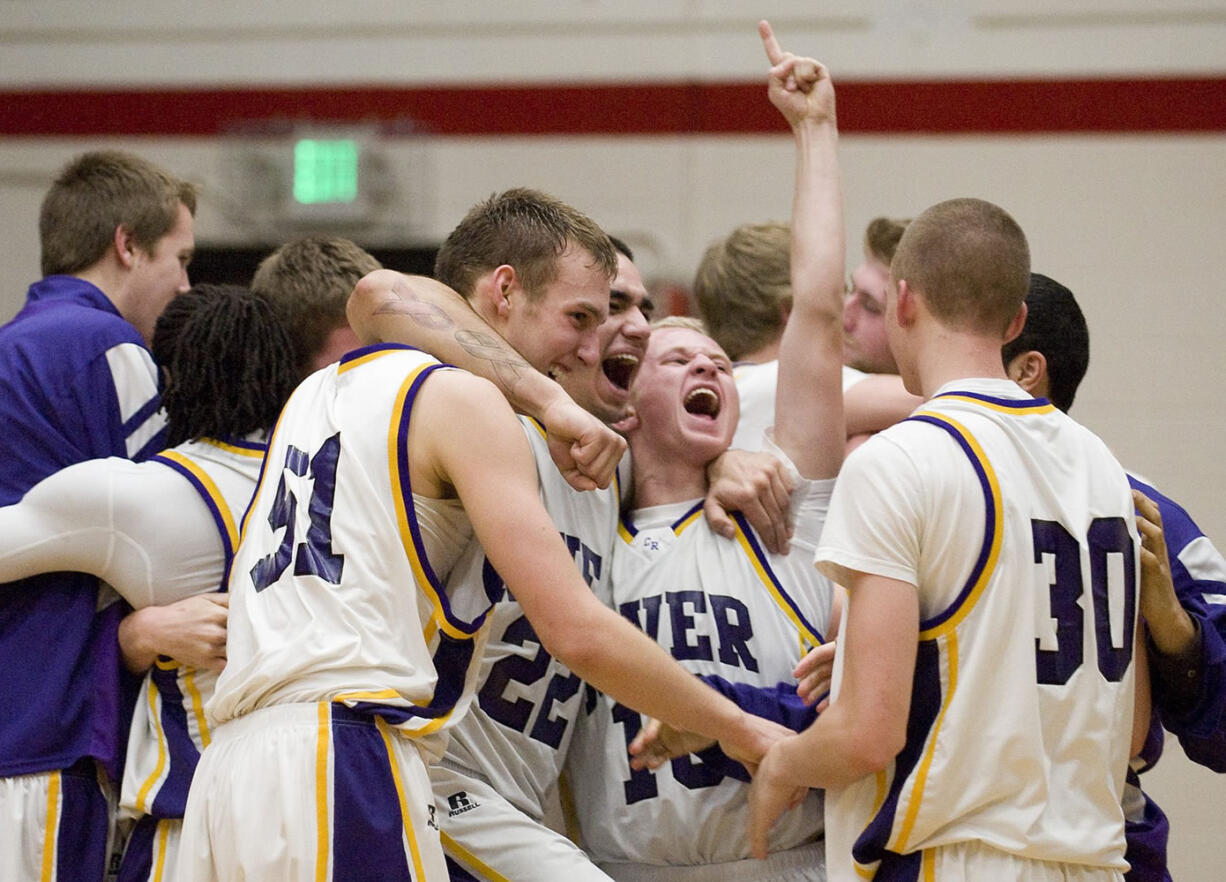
(1133, 225)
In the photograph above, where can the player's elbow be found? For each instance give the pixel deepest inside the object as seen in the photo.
(573, 646)
(872, 742)
(576, 638)
(370, 291)
(877, 750)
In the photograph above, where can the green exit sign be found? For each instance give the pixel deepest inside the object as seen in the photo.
(325, 171)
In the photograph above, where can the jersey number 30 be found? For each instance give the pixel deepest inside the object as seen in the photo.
(1112, 585)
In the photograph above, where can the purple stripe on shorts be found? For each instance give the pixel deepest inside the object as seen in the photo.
(367, 828)
(80, 841)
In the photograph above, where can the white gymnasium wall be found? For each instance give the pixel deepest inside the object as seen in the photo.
(1133, 223)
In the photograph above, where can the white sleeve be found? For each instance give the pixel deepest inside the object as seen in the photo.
(875, 515)
(810, 499)
(851, 376)
(139, 526)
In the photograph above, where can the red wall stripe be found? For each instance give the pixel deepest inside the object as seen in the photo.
(941, 107)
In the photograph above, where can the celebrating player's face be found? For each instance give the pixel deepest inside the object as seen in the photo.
(684, 397)
(604, 389)
(864, 340)
(556, 331)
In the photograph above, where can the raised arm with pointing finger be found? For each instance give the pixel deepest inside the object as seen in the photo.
(727, 610)
(809, 425)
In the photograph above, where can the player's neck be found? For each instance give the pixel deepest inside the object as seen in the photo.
(661, 478)
(109, 278)
(959, 356)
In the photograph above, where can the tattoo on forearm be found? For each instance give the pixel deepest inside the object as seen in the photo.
(428, 315)
(425, 314)
(507, 364)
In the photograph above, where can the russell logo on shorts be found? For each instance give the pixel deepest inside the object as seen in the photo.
(459, 803)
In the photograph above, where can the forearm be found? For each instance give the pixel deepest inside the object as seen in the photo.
(390, 307)
(1172, 633)
(817, 250)
(809, 422)
(835, 751)
(877, 402)
(619, 660)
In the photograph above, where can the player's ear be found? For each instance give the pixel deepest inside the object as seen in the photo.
(907, 307)
(627, 424)
(1028, 370)
(505, 282)
(124, 244)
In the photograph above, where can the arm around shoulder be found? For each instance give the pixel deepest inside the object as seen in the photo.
(497, 484)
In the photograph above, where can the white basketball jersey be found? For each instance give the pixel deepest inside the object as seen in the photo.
(337, 587)
(518, 731)
(1017, 526)
(721, 607)
(755, 386)
(169, 726)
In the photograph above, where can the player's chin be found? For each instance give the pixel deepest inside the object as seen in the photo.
(611, 402)
(609, 409)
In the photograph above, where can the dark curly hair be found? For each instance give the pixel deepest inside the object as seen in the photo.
(228, 361)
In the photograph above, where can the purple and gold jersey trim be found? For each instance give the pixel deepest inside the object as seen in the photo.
(808, 635)
(989, 550)
(936, 667)
(227, 524)
(199, 478)
(627, 531)
(364, 354)
(1017, 406)
(406, 515)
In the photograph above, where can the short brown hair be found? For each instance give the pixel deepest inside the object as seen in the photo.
(882, 236)
(308, 282)
(523, 228)
(744, 285)
(969, 260)
(98, 192)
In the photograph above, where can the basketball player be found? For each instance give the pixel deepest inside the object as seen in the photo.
(725, 609)
(389, 456)
(497, 782)
(308, 280)
(974, 733)
(504, 758)
(865, 347)
(163, 530)
(1183, 589)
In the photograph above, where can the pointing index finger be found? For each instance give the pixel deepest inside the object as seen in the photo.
(773, 53)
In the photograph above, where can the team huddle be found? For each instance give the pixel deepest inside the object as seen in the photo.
(352, 574)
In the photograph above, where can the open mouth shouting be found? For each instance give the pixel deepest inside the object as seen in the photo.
(702, 401)
(620, 369)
